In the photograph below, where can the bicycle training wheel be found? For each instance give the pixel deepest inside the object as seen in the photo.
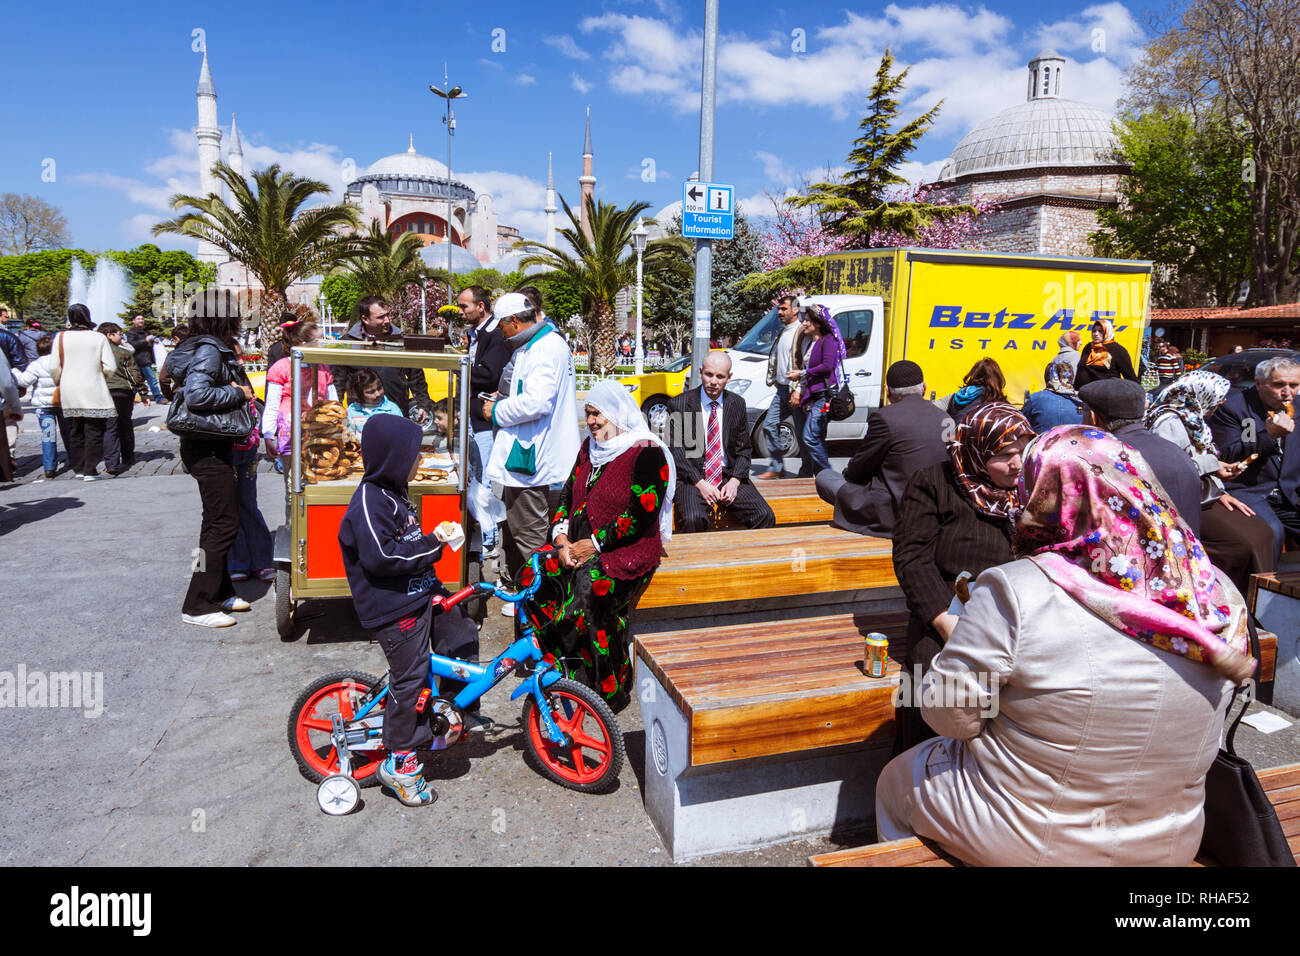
(592, 763)
(310, 726)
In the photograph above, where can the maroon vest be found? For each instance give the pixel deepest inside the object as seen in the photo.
(608, 498)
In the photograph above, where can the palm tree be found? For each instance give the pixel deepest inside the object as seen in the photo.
(602, 266)
(387, 263)
(269, 232)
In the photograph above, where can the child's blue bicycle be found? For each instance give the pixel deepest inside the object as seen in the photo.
(570, 734)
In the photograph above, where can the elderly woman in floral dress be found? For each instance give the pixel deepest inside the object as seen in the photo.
(615, 513)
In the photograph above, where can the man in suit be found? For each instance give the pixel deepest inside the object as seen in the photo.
(1116, 405)
(902, 438)
(709, 436)
(1261, 421)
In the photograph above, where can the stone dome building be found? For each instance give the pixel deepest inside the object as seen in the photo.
(1047, 165)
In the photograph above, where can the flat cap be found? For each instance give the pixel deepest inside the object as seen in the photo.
(1115, 398)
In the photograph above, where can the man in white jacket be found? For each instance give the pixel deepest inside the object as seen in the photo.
(536, 419)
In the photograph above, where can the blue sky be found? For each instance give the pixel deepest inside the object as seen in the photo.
(107, 92)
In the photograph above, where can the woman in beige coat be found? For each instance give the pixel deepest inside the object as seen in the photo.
(82, 360)
(1081, 696)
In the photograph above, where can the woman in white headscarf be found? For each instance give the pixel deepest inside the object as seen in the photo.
(615, 514)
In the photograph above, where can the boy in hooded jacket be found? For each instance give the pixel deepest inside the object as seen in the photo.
(389, 564)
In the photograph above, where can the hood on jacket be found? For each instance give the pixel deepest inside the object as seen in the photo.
(389, 446)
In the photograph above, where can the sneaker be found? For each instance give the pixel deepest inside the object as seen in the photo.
(507, 610)
(236, 603)
(267, 574)
(215, 619)
(411, 787)
(769, 474)
(92, 477)
(77, 474)
(239, 575)
(49, 473)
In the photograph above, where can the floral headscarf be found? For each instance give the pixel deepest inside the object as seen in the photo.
(841, 351)
(1100, 525)
(1095, 353)
(1060, 378)
(1193, 398)
(977, 439)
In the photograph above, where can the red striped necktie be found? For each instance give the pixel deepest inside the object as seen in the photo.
(713, 448)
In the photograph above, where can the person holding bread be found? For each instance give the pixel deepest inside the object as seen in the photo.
(1260, 421)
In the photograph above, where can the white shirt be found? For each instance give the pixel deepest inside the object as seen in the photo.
(540, 412)
(785, 353)
(705, 402)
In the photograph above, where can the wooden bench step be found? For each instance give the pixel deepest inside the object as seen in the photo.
(776, 687)
(776, 562)
(1282, 784)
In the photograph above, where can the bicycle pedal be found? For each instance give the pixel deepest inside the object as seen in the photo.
(422, 702)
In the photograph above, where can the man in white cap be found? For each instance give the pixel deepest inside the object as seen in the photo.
(536, 419)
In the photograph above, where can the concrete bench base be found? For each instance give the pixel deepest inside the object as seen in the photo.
(746, 804)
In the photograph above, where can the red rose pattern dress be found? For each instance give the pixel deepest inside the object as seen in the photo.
(581, 614)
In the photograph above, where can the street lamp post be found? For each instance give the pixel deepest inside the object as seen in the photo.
(449, 120)
(639, 240)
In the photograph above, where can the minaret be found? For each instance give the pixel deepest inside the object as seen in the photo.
(235, 159)
(587, 181)
(1045, 75)
(550, 203)
(208, 135)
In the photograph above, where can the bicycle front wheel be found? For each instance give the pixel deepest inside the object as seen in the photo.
(591, 764)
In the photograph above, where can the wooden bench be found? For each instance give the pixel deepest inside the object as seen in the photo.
(1282, 784)
(1275, 601)
(764, 732)
(743, 576)
(793, 501)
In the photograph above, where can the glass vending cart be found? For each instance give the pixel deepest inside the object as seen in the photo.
(324, 468)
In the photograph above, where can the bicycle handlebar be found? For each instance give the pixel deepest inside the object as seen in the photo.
(483, 589)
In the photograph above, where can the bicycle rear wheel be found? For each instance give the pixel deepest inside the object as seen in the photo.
(593, 762)
(310, 726)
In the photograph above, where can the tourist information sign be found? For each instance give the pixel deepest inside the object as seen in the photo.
(707, 211)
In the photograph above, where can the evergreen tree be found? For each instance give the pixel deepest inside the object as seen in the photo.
(860, 205)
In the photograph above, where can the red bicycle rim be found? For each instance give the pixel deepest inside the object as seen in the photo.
(572, 763)
(309, 719)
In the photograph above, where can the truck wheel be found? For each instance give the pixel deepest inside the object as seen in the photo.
(789, 438)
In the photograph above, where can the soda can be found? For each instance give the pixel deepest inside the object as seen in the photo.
(876, 654)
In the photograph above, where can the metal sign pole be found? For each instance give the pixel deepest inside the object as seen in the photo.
(704, 247)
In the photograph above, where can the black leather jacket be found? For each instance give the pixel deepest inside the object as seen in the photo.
(207, 369)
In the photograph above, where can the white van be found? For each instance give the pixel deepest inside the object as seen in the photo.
(861, 322)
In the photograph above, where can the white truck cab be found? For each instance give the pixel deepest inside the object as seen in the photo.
(861, 322)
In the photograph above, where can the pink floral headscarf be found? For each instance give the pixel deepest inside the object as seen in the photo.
(1100, 525)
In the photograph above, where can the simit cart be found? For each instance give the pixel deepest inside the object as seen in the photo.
(307, 558)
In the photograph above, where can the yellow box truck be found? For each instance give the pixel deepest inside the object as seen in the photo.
(945, 309)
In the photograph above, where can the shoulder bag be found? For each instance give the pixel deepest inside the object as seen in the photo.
(231, 424)
(1241, 826)
(842, 404)
(58, 378)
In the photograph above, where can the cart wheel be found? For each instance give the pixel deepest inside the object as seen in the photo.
(283, 604)
(338, 794)
(593, 762)
(311, 725)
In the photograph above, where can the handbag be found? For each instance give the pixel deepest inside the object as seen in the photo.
(1241, 825)
(842, 404)
(522, 458)
(231, 424)
(55, 402)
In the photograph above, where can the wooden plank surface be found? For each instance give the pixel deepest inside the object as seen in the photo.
(1280, 582)
(769, 562)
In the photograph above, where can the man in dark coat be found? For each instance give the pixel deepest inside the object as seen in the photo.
(1260, 420)
(404, 387)
(902, 438)
(709, 435)
(488, 354)
(1116, 405)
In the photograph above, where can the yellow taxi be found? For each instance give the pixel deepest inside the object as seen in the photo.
(653, 390)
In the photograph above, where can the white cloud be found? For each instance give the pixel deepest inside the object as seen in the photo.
(963, 55)
(517, 200)
(915, 172)
(525, 79)
(566, 45)
(579, 84)
(1106, 29)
